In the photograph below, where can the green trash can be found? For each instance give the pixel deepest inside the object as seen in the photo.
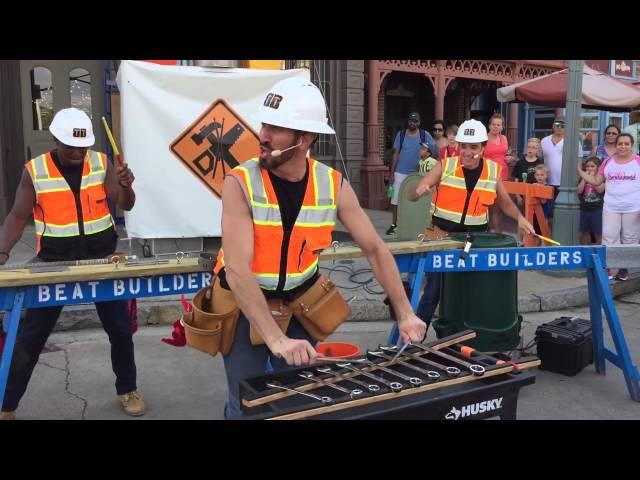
(486, 302)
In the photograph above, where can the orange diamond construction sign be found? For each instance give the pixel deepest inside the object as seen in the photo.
(219, 140)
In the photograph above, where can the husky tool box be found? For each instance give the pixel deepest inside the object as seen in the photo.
(565, 345)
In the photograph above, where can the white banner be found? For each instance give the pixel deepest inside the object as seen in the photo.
(159, 105)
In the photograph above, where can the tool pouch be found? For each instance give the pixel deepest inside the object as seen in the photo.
(434, 233)
(281, 314)
(321, 309)
(205, 340)
(214, 310)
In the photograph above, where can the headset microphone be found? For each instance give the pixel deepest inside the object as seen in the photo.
(277, 153)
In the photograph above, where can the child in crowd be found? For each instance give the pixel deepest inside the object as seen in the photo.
(426, 162)
(452, 149)
(591, 200)
(541, 175)
(524, 170)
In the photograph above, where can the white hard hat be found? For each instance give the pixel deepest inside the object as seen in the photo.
(72, 127)
(471, 131)
(295, 103)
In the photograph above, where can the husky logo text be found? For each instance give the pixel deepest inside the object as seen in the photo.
(272, 100)
(474, 409)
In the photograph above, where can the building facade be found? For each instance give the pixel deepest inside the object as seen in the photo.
(368, 102)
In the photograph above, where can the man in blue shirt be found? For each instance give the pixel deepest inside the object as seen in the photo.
(406, 155)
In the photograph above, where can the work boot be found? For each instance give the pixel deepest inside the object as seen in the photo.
(132, 403)
(623, 275)
(392, 229)
(8, 415)
(610, 274)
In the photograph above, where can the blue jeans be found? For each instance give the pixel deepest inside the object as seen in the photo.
(36, 328)
(430, 297)
(245, 360)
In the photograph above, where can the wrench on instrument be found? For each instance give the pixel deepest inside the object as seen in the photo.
(451, 371)
(335, 360)
(394, 386)
(431, 375)
(276, 384)
(372, 387)
(413, 381)
(473, 367)
(309, 376)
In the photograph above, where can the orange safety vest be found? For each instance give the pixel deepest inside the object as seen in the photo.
(311, 232)
(55, 212)
(450, 199)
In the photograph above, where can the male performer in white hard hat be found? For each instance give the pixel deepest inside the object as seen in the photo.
(278, 214)
(66, 190)
(466, 187)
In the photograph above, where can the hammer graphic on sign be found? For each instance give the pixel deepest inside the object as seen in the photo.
(220, 144)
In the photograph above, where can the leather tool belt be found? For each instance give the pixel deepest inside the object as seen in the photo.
(211, 326)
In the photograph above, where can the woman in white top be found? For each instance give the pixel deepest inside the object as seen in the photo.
(621, 209)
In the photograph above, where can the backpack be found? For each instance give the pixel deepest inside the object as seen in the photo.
(403, 133)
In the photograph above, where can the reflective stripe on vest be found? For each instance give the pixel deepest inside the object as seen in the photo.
(456, 217)
(311, 218)
(97, 172)
(269, 281)
(54, 230)
(72, 229)
(98, 225)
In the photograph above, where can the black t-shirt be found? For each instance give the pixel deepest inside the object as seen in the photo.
(590, 199)
(471, 177)
(524, 166)
(72, 174)
(290, 197)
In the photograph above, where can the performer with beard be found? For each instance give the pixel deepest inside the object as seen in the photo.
(278, 214)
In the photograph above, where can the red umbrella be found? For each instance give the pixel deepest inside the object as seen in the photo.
(599, 91)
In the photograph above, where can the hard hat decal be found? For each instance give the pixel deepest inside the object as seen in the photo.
(469, 131)
(272, 100)
(80, 132)
(217, 141)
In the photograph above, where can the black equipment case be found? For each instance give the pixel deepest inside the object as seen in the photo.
(565, 345)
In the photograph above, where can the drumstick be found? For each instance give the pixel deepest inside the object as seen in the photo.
(116, 152)
(546, 239)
